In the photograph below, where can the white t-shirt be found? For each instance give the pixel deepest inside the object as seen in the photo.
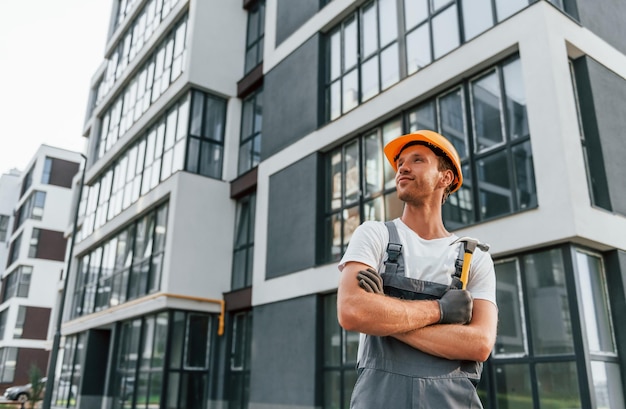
(427, 260)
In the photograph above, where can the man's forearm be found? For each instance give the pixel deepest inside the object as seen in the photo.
(455, 341)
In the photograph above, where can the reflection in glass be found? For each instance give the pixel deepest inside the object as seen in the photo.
(452, 118)
(477, 17)
(607, 385)
(515, 100)
(558, 382)
(445, 32)
(486, 110)
(513, 386)
(511, 337)
(550, 318)
(418, 49)
(595, 303)
(524, 176)
(494, 186)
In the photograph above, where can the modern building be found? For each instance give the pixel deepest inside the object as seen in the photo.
(34, 214)
(234, 146)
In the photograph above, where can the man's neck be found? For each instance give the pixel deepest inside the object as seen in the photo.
(425, 220)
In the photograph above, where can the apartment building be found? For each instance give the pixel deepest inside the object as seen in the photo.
(234, 146)
(34, 214)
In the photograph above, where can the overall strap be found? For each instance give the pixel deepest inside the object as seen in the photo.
(394, 263)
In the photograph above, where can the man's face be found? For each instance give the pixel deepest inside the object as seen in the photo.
(418, 177)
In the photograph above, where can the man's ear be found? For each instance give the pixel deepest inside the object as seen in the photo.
(447, 177)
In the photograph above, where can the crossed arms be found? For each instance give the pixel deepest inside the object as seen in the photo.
(415, 322)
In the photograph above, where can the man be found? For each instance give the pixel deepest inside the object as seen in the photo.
(423, 339)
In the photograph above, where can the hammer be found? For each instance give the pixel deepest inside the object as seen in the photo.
(469, 245)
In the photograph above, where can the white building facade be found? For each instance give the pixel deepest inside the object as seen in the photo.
(36, 203)
(235, 146)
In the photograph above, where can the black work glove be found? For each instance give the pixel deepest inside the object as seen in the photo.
(370, 281)
(456, 307)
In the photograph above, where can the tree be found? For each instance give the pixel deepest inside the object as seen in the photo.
(37, 385)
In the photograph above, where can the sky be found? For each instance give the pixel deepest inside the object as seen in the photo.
(49, 52)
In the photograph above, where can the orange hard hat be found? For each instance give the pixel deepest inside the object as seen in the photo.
(439, 144)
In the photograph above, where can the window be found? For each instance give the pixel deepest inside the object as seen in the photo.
(34, 243)
(125, 267)
(17, 283)
(365, 56)
(255, 36)
(4, 227)
(493, 143)
(19, 322)
(251, 131)
(47, 170)
(206, 135)
(160, 70)
(158, 154)
(28, 180)
(598, 326)
(32, 208)
(3, 322)
(239, 365)
(243, 249)
(8, 358)
(66, 384)
(14, 251)
(360, 187)
(539, 338)
(339, 358)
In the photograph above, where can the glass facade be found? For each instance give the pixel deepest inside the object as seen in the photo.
(251, 132)
(125, 267)
(238, 389)
(493, 143)
(255, 36)
(339, 358)
(155, 76)
(370, 50)
(243, 248)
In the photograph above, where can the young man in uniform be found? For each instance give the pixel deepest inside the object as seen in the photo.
(423, 339)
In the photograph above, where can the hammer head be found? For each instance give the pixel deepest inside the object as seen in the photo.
(471, 244)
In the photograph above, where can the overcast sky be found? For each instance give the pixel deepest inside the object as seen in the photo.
(49, 51)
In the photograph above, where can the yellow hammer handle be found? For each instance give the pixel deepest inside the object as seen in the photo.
(465, 271)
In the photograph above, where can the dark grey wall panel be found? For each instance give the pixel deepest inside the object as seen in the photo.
(292, 215)
(293, 14)
(283, 362)
(609, 98)
(606, 19)
(291, 99)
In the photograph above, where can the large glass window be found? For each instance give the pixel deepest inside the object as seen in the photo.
(205, 150)
(125, 267)
(69, 372)
(160, 70)
(17, 283)
(158, 154)
(32, 208)
(364, 56)
(239, 362)
(19, 322)
(4, 227)
(255, 35)
(8, 358)
(243, 249)
(540, 342)
(598, 326)
(251, 132)
(339, 358)
(493, 143)
(134, 38)
(359, 187)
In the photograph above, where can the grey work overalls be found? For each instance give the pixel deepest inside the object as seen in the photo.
(393, 375)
